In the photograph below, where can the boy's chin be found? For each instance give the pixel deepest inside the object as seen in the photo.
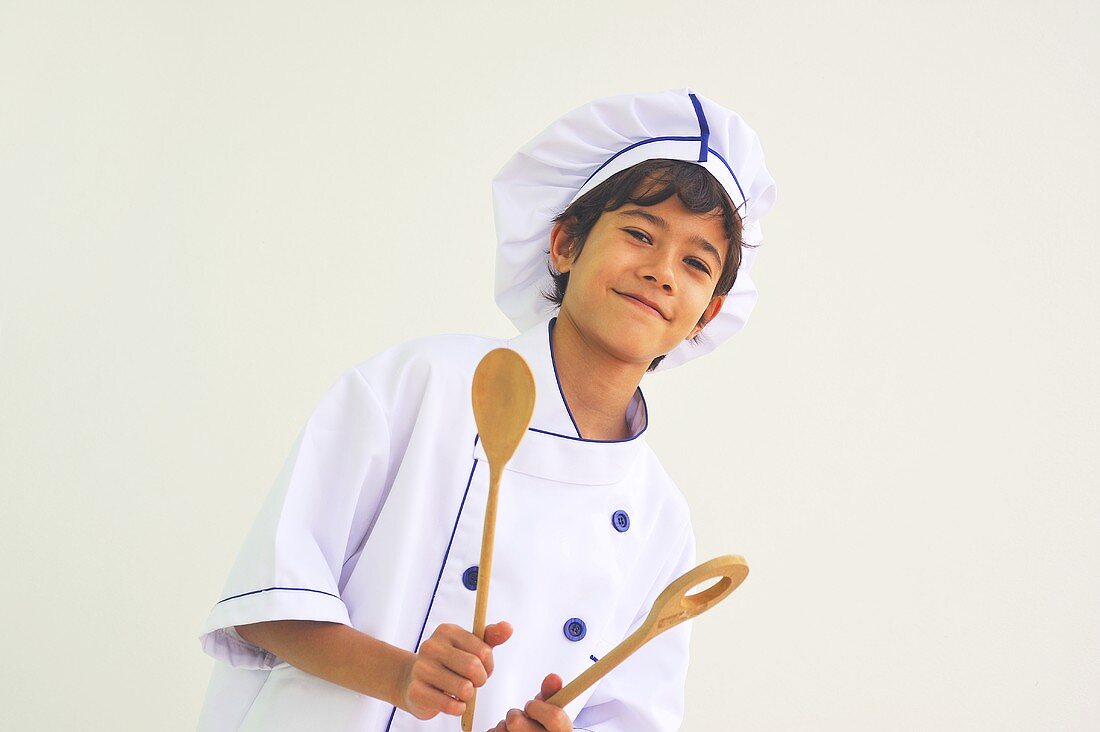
(631, 347)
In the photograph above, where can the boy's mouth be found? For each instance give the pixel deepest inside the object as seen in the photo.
(644, 303)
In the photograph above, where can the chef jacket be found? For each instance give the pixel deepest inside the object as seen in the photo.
(376, 520)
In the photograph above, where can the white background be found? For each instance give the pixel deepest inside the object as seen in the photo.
(209, 210)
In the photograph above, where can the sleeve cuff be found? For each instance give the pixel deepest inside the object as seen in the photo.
(220, 640)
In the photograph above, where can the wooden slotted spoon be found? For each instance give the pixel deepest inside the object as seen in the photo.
(672, 607)
(504, 398)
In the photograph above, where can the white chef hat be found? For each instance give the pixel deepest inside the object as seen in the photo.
(588, 145)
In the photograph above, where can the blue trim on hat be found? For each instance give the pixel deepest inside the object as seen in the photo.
(740, 190)
(634, 145)
(704, 132)
(681, 138)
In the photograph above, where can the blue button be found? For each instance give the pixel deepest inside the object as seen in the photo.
(620, 520)
(575, 629)
(469, 578)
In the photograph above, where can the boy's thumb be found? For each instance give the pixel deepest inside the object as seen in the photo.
(497, 633)
(550, 685)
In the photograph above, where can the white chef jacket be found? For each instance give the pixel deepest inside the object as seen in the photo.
(376, 519)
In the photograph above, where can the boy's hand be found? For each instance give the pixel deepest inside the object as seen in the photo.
(442, 675)
(538, 716)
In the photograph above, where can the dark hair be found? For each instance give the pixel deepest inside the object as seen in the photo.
(646, 184)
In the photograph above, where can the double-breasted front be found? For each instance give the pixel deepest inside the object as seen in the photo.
(375, 521)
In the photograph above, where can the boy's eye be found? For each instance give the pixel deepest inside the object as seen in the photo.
(698, 264)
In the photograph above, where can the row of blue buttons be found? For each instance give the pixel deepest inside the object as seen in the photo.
(574, 628)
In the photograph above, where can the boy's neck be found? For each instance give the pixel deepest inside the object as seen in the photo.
(597, 387)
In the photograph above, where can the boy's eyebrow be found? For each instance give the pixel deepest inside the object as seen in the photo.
(658, 221)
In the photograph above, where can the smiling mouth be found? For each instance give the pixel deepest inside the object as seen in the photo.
(649, 308)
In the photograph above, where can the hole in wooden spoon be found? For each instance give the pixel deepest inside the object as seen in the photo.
(712, 588)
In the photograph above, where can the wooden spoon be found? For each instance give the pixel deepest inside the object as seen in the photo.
(671, 608)
(504, 398)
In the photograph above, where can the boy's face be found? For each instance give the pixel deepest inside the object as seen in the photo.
(665, 255)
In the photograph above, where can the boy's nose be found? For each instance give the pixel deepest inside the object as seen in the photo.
(667, 286)
(658, 268)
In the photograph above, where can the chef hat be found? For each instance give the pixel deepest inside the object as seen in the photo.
(587, 146)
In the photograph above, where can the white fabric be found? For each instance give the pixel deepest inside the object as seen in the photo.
(378, 512)
(588, 145)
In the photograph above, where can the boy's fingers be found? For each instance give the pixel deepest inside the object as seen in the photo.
(548, 716)
(518, 721)
(432, 698)
(463, 640)
(451, 675)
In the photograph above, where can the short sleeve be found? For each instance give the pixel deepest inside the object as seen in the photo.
(327, 494)
(645, 693)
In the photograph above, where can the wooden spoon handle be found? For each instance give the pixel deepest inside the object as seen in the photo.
(484, 570)
(672, 607)
(601, 668)
(485, 564)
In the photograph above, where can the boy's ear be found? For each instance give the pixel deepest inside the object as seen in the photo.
(561, 248)
(713, 308)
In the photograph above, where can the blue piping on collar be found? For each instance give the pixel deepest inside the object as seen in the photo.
(578, 438)
(554, 363)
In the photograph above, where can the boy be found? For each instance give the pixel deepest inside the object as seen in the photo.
(350, 603)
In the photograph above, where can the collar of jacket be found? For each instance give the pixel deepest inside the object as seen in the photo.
(552, 447)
